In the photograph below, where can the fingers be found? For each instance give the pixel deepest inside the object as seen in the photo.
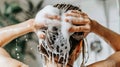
(52, 16)
(47, 19)
(76, 13)
(41, 35)
(80, 19)
(84, 28)
(73, 14)
(77, 17)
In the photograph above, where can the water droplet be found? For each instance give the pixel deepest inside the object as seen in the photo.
(31, 48)
(17, 54)
(16, 49)
(26, 39)
(16, 40)
(18, 57)
(26, 59)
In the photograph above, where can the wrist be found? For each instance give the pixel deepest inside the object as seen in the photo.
(93, 25)
(31, 25)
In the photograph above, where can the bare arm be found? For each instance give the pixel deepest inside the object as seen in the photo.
(87, 25)
(11, 32)
(111, 37)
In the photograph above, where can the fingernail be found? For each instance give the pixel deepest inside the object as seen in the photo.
(66, 14)
(58, 17)
(42, 36)
(54, 17)
(66, 20)
(70, 30)
(73, 11)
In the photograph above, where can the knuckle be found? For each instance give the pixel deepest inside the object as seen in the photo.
(84, 14)
(66, 14)
(87, 20)
(88, 27)
(79, 29)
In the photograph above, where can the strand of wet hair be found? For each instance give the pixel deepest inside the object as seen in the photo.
(85, 58)
(87, 50)
(67, 7)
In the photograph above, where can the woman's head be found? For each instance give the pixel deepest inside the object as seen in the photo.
(56, 43)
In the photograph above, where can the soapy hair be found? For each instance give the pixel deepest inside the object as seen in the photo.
(67, 7)
(76, 40)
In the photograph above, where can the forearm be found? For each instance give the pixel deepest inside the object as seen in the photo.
(111, 37)
(11, 32)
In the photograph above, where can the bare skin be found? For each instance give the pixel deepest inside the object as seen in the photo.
(86, 25)
(9, 33)
(109, 36)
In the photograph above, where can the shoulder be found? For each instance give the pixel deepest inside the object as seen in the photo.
(111, 61)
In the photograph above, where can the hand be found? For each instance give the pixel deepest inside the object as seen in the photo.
(49, 15)
(47, 19)
(80, 21)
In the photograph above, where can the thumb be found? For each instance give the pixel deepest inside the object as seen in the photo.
(40, 34)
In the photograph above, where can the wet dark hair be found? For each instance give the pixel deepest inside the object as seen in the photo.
(67, 7)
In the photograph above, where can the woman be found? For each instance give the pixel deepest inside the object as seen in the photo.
(86, 25)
